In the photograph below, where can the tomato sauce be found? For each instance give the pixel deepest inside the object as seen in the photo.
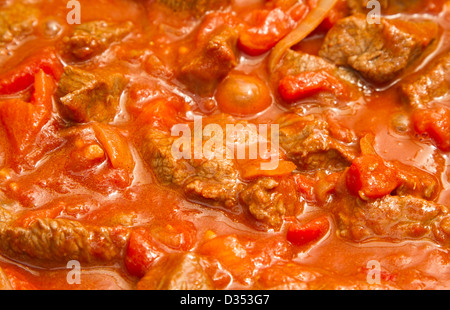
(65, 175)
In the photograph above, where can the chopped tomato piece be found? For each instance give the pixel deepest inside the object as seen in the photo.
(14, 114)
(307, 233)
(312, 3)
(24, 120)
(213, 21)
(370, 177)
(326, 186)
(436, 124)
(23, 76)
(162, 113)
(232, 253)
(296, 87)
(141, 253)
(267, 27)
(181, 236)
(305, 186)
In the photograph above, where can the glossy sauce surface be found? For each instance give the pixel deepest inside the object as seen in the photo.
(96, 196)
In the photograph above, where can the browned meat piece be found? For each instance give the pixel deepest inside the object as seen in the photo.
(416, 182)
(196, 7)
(431, 84)
(202, 70)
(308, 142)
(157, 151)
(391, 218)
(60, 240)
(93, 38)
(86, 96)
(268, 203)
(16, 22)
(177, 272)
(380, 52)
(216, 180)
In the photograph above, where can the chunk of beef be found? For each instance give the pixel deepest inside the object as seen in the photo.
(93, 38)
(85, 96)
(380, 52)
(177, 272)
(391, 218)
(308, 142)
(195, 7)
(212, 60)
(268, 203)
(215, 180)
(60, 240)
(16, 21)
(222, 185)
(294, 63)
(429, 84)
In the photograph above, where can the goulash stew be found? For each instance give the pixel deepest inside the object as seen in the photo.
(224, 144)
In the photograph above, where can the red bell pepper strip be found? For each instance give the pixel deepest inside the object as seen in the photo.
(312, 231)
(22, 76)
(436, 124)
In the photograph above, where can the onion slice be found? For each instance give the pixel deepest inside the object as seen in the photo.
(311, 22)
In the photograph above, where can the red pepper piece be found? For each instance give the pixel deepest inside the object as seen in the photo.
(307, 233)
(295, 87)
